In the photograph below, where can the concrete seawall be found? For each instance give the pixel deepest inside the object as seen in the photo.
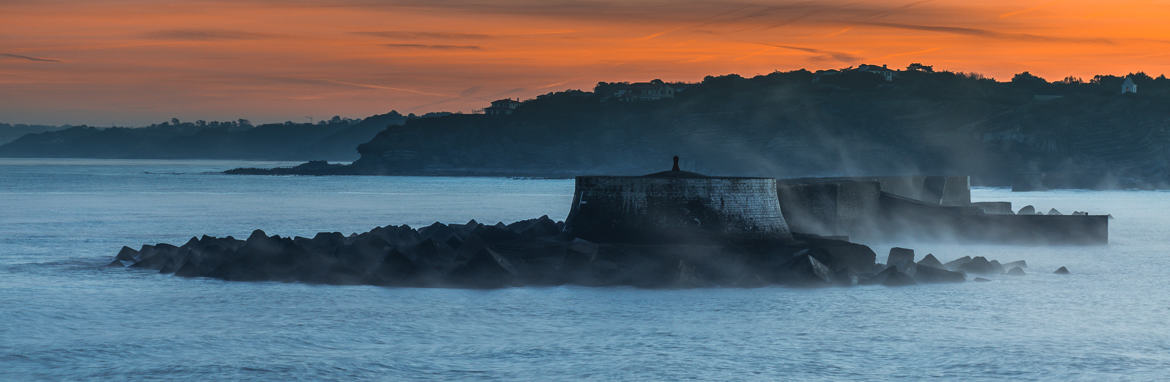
(929, 189)
(922, 208)
(903, 218)
(672, 208)
(829, 208)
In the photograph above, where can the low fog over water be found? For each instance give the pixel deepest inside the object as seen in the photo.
(63, 315)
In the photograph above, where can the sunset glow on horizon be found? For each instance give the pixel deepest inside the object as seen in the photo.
(133, 62)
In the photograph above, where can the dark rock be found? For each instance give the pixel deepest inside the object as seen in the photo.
(931, 261)
(956, 263)
(530, 252)
(981, 280)
(483, 270)
(1061, 271)
(125, 257)
(431, 257)
(846, 278)
(575, 267)
(806, 270)
(1027, 210)
(208, 256)
(929, 274)
(1054, 212)
(843, 256)
(328, 239)
(400, 236)
(635, 265)
(1018, 263)
(314, 167)
(902, 258)
(493, 234)
(540, 227)
(979, 264)
(454, 241)
(888, 277)
(896, 278)
(461, 231)
(156, 256)
(1017, 271)
(584, 247)
(538, 261)
(437, 232)
(355, 260)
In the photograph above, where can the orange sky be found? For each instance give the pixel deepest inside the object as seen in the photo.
(131, 62)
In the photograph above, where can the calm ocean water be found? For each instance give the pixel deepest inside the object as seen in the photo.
(64, 316)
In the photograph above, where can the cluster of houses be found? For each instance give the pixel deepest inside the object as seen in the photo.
(640, 91)
(883, 72)
(504, 106)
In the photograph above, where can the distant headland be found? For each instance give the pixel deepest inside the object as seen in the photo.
(331, 139)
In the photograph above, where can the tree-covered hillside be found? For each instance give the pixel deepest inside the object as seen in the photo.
(334, 139)
(10, 132)
(1026, 132)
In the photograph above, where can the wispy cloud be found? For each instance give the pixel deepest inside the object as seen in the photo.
(911, 53)
(432, 46)
(706, 15)
(205, 35)
(553, 84)
(390, 88)
(838, 33)
(508, 92)
(921, 15)
(424, 35)
(470, 91)
(28, 58)
(821, 53)
(987, 33)
(1026, 10)
(708, 21)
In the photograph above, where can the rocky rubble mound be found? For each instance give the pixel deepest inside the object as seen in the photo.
(531, 252)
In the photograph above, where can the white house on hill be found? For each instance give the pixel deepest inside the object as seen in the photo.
(502, 107)
(881, 71)
(1128, 87)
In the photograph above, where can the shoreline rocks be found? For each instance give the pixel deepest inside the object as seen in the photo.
(533, 252)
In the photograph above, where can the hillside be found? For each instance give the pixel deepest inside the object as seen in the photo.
(1027, 132)
(332, 140)
(9, 132)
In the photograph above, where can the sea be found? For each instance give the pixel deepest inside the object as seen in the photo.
(66, 315)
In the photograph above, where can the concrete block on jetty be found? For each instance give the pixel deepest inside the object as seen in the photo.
(675, 206)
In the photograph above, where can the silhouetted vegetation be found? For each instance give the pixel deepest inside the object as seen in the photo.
(10, 132)
(333, 139)
(1029, 131)
(869, 120)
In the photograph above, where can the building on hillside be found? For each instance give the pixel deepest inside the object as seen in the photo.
(1128, 87)
(505, 106)
(881, 71)
(640, 91)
